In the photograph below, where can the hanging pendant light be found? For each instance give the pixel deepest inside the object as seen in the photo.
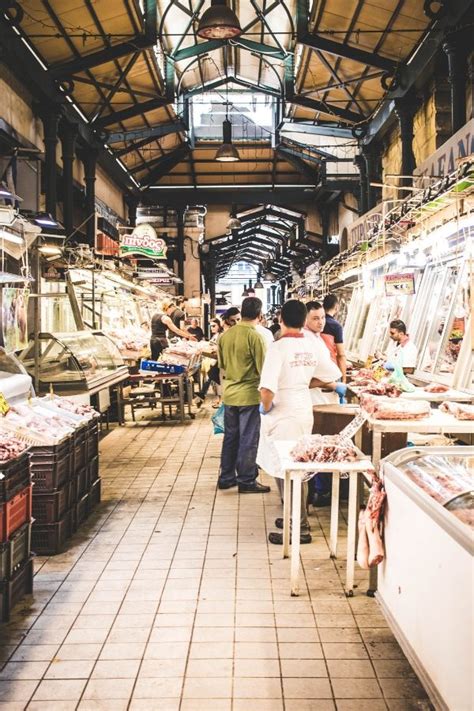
(219, 22)
(227, 153)
(234, 223)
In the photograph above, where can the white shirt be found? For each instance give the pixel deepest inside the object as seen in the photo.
(290, 364)
(327, 371)
(266, 334)
(405, 356)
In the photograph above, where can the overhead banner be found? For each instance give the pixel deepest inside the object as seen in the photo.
(400, 284)
(445, 160)
(143, 241)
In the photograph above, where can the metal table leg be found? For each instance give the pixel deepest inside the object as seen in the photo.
(286, 514)
(334, 515)
(295, 536)
(351, 532)
(181, 398)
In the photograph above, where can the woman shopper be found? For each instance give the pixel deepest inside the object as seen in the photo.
(213, 377)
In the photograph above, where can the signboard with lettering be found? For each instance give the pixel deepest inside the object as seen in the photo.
(403, 283)
(360, 230)
(143, 241)
(445, 159)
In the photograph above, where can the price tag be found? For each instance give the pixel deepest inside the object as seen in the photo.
(4, 406)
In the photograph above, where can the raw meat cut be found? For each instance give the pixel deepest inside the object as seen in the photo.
(373, 518)
(460, 410)
(385, 408)
(436, 388)
(388, 389)
(323, 448)
(10, 447)
(363, 542)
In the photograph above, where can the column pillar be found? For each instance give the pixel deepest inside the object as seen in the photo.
(372, 158)
(180, 248)
(89, 161)
(68, 133)
(50, 117)
(405, 110)
(363, 201)
(454, 47)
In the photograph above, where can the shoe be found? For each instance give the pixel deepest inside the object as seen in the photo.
(277, 538)
(279, 523)
(226, 484)
(198, 401)
(254, 488)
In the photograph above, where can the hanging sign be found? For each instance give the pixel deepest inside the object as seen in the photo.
(143, 241)
(399, 284)
(445, 159)
(360, 230)
(51, 273)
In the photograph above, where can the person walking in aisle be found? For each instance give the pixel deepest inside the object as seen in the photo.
(213, 376)
(241, 352)
(289, 370)
(161, 325)
(333, 334)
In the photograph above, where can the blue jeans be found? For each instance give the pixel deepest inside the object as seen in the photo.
(239, 448)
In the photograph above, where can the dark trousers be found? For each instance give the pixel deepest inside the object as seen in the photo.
(239, 448)
(157, 345)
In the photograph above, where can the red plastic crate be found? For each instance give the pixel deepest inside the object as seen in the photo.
(15, 513)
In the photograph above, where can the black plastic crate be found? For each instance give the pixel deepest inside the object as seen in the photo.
(82, 509)
(12, 591)
(20, 548)
(48, 507)
(93, 438)
(82, 482)
(50, 471)
(80, 447)
(16, 475)
(49, 538)
(93, 469)
(72, 492)
(4, 560)
(94, 494)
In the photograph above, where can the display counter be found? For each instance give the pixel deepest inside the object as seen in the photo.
(426, 585)
(80, 362)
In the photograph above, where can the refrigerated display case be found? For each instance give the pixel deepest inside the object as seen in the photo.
(80, 362)
(426, 582)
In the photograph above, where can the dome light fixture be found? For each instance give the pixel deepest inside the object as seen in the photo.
(234, 223)
(227, 153)
(219, 22)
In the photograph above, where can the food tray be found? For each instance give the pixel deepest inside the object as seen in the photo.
(16, 475)
(32, 438)
(82, 509)
(15, 513)
(93, 469)
(49, 507)
(14, 552)
(49, 538)
(12, 591)
(94, 494)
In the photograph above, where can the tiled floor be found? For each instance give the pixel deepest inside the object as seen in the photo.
(170, 599)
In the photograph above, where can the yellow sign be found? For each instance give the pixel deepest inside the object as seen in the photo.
(4, 406)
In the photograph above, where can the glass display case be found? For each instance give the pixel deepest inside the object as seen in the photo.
(84, 361)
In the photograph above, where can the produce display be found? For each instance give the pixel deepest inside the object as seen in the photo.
(323, 448)
(10, 447)
(461, 411)
(388, 408)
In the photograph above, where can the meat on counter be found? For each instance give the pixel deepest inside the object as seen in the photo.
(323, 448)
(460, 410)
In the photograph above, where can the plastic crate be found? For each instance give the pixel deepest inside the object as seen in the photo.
(72, 492)
(16, 475)
(153, 366)
(49, 507)
(94, 494)
(51, 466)
(80, 447)
(82, 509)
(93, 469)
(12, 591)
(92, 439)
(81, 482)
(50, 538)
(16, 552)
(15, 513)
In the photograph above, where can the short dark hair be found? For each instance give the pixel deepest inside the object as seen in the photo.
(251, 308)
(293, 313)
(330, 301)
(399, 325)
(232, 311)
(313, 306)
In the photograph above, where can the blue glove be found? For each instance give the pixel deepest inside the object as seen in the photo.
(341, 389)
(262, 410)
(389, 366)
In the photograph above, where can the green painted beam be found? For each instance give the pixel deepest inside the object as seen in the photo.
(210, 45)
(328, 109)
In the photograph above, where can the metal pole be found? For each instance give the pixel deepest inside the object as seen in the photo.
(37, 322)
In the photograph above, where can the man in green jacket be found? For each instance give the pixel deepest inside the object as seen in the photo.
(241, 352)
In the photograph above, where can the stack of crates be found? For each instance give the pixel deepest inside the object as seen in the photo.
(16, 562)
(93, 463)
(54, 496)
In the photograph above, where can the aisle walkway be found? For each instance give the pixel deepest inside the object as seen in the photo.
(171, 600)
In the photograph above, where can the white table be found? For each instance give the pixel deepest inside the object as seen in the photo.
(296, 472)
(420, 393)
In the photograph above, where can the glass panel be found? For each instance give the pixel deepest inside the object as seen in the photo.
(91, 352)
(441, 299)
(58, 363)
(251, 115)
(455, 328)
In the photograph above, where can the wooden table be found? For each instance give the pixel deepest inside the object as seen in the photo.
(184, 397)
(294, 473)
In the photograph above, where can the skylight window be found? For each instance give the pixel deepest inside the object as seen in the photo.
(252, 115)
